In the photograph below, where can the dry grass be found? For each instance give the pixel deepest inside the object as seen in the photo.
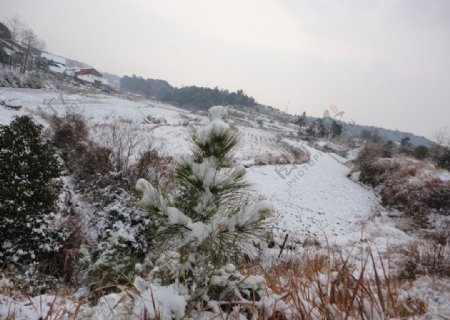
(411, 186)
(331, 287)
(53, 306)
(296, 156)
(422, 257)
(315, 286)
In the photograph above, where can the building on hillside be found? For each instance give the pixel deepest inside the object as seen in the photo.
(53, 63)
(90, 75)
(11, 52)
(88, 71)
(5, 34)
(15, 53)
(6, 47)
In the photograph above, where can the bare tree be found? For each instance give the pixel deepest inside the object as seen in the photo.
(440, 151)
(442, 137)
(29, 39)
(16, 26)
(20, 32)
(40, 44)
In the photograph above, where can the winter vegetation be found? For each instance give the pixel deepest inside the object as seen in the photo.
(190, 97)
(29, 212)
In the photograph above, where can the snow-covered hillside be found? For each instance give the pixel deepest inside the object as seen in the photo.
(314, 199)
(169, 127)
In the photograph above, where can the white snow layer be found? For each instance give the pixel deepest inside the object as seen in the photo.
(315, 199)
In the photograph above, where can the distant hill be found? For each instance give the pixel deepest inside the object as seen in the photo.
(113, 79)
(350, 130)
(191, 97)
(355, 131)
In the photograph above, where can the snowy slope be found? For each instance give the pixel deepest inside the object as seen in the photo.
(314, 199)
(170, 127)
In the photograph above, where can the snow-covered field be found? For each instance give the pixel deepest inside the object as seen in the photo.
(314, 199)
(170, 127)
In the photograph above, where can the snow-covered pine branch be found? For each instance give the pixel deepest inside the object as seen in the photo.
(208, 220)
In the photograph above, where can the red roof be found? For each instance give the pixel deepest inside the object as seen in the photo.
(83, 71)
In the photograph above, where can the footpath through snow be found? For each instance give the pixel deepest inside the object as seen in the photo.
(317, 199)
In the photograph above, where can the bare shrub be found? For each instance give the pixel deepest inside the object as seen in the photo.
(120, 150)
(124, 142)
(425, 257)
(260, 122)
(91, 163)
(401, 185)
(417, 200)
(85, 159)
(69, 131)
(440, 151)
(154, 168)
(11, 78)
(65, 263)
(293, 155)
(439, 232)
(404, 184)
(155, 120)
(299, 154)
(271, 159)
(372, 170)
(436, 195)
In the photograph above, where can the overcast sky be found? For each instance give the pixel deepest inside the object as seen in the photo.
(384, 63)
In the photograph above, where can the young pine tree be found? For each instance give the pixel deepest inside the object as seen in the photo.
(28, 193)
(208, 222)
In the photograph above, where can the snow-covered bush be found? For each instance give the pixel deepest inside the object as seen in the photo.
(152, 167)
(423, 257)
(29, 194)
(417, 200)
(83, 158)
(406, 184)
(68, 132)
(373, 171)
(116, 236)
(441, 156)
(208, 222)
(14, 79)
(118, 239)
(421, 152)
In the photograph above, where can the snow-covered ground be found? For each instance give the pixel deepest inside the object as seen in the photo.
(318, 200)
(169, 127)
(313, 199)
